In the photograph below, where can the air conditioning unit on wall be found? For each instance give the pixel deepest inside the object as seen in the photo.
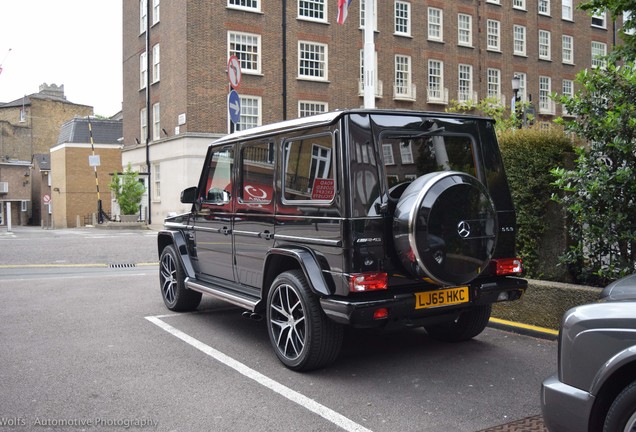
(4, 187)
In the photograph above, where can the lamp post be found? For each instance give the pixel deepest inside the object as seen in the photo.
(516, 84)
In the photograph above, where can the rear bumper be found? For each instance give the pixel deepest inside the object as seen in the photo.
(359, 312)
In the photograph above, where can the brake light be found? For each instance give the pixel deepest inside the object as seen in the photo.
(382, 313)
(508, 266)
(362, 282)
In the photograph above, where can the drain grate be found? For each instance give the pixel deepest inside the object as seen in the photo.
(122, 265)
(530, 424)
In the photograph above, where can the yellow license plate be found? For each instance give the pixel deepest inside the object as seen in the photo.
(443, 297)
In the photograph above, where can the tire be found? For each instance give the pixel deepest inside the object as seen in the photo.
(621, 416)
(445, 227)
(469, 324)
(175, 295)
(301, 334)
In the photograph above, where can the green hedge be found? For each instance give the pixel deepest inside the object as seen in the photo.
(529, 155)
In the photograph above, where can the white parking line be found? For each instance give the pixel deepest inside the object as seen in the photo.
(298, 398)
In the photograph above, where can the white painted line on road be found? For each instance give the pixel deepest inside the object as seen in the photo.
(298, 398)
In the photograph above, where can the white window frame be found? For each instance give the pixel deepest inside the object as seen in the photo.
(543, 7)
(545, 45)
(494, 1)
(307, 108)
(493, 35)
(156, 181)
(435, 24)
(403, 78)
(402, 18)
(519, 4)
(143, 70)
(156, 121)
(363, 6)
(406, 154)
(387, 153)
(599, 20)
(567, 10)
(519, 45)
(143, 16)
(464, 83)
(494, 83)
(627, 16)
(464, 29)
(251, 112)
(248, 5)
(567, 49)
(435, 80)
(143, 125)
(156, 11)
(247, 47)
(545, 90)
(312, 10)
(598, 52)
(156, 65)
(313, 56)
(523, 78)
(567, 89)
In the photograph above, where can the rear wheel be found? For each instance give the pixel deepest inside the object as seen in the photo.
(301, 334)
(621, 416)
(469, 324)
(175, 295)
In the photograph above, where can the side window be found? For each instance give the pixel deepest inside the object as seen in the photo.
(218, 190)
(308, 169)
(257, 171)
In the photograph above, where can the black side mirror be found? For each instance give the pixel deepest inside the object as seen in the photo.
(189, 195)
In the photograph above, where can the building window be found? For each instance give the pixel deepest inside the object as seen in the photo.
(308, 108)
(519, 4)
(403, 77)
(598, 20)
(253, 5)
(599, 51)
(247, 48)
(143, 123)
(519, 40)
(567, 47)
(155, 11)
(544, 45)
(143, 70)
(402, 18)
(464, 30)
(156, 122)
(435, 80)
(545, 89)
(494, 84)
(465, 83)
(387, 152)
(156, 181)
(312, 61)
(493, 39)
(143, 16)
(566, 10)
(435, 24)
(406, 153)
(312, 9)
(156, 72)
(627, 18)
(567, 89)
(522, 85)
(250, 113)
(494, 1)
(544, 7)
(363, 6)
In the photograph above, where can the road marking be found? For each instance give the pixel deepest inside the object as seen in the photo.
(292, 395)
(17, 266)
(513, 324)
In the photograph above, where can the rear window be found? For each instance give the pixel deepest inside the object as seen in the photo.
(308, 169)
(409, 156)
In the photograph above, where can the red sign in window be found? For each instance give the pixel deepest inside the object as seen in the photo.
(323, 189)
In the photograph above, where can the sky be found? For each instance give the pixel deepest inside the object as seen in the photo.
(75, 43)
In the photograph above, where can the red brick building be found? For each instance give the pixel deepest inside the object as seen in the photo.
(295, 61)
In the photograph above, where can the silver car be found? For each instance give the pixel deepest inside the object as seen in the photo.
(595, 387)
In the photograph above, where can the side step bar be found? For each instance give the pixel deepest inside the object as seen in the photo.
(220, 292)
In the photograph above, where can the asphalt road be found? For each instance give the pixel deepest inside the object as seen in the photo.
(88, 345)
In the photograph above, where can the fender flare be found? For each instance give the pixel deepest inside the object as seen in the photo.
(177, 239)
(307, 262)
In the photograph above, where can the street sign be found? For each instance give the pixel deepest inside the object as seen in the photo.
(46, 198)
(234, 106)
(234, 71)
(94, 160)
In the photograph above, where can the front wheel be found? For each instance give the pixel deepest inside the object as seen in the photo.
(300, 332)
(175, 295)
(621, 416)
(469, 324)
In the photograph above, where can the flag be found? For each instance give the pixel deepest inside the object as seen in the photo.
(343, 9)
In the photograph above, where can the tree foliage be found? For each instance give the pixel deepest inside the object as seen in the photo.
(599, 193)
(128, 190)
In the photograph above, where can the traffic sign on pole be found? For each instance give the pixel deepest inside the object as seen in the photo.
(234, 71)
(234, 106)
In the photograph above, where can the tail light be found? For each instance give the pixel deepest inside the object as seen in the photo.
(508, 266)
(363, 282)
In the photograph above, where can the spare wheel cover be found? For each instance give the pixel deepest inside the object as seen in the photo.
(445, 227)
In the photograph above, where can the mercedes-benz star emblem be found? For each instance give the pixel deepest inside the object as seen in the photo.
(463, 229)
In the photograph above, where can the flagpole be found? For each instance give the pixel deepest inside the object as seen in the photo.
(369, 54)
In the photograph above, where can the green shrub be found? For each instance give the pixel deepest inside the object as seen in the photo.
(128, 190)
(529, 155)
